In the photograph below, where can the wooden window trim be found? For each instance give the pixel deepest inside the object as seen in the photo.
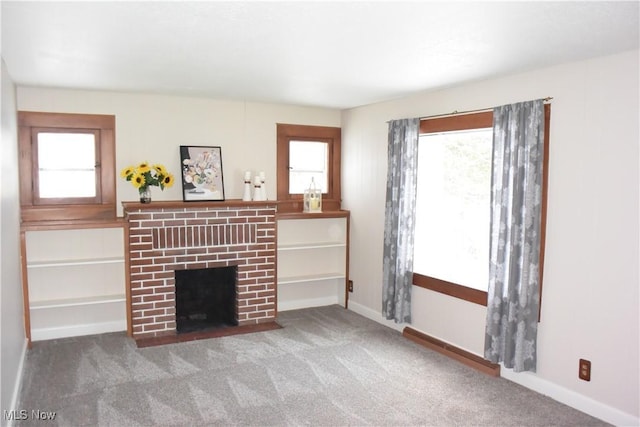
(34, 210)
(452, 123)
(543, 207)
(474, 121)
(475, 296)
(331, 200)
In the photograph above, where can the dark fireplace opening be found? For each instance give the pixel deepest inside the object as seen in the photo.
(205, 299)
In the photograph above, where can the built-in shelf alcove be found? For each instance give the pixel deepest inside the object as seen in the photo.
(205, 299)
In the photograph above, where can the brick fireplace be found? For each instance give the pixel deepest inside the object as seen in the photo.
(167, 236)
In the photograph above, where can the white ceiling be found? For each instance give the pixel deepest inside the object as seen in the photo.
(334, 54)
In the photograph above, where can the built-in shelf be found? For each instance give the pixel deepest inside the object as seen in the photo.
(313, 259)
(73, 279)
(315, 215)
(73, 262)
(116, 222)
(72, 302)
(309, 278)
(319, 245)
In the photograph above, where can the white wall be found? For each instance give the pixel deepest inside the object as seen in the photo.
(13, 341)
(590, 298)
(152, 127)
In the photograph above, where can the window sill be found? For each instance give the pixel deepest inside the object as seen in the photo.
(457, 291)
(79, 213)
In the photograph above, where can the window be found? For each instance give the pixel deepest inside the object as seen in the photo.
(453, 206)
(451, 252)
(303, 153)
(308, 160)
(67, 164)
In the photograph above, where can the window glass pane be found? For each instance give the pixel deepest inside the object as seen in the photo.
(66, 165)
(308, 159)
(453, 207)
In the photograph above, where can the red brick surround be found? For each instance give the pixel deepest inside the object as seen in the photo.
(168, 236)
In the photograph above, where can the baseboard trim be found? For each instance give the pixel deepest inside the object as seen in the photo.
(376, 316)
(571, 398)
(430, 342)
(452, 351)
(17, 387)
(42, 334)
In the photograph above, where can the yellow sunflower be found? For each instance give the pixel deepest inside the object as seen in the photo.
(143, 167)
(168, 180)
(127, 171)
(160, 169)
(138, 180)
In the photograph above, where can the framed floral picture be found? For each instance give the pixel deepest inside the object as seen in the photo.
(202, 177)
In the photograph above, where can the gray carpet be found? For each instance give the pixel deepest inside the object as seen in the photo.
(326, 367)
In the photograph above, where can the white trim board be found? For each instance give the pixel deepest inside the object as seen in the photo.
(42, 334)
(17, 387)
(571, 398)
(376, 316)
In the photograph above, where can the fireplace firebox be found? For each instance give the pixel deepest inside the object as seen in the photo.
(205, 299)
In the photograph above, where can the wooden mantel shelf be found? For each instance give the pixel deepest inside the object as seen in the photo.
(179, 204)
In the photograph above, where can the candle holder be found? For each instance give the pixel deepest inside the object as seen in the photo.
(263, 187)
(312, 199)
(247, 187)
(257, 189)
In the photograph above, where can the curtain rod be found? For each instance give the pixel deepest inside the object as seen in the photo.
(453, 113)
(547, 99)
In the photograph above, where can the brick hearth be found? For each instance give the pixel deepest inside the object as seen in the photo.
(168, 236)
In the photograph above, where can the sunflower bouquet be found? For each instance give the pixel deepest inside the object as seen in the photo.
(144, 176)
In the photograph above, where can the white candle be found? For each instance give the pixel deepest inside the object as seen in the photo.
(247, 176)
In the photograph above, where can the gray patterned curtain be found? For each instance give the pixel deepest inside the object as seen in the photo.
(399, 219)
(516, 194)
